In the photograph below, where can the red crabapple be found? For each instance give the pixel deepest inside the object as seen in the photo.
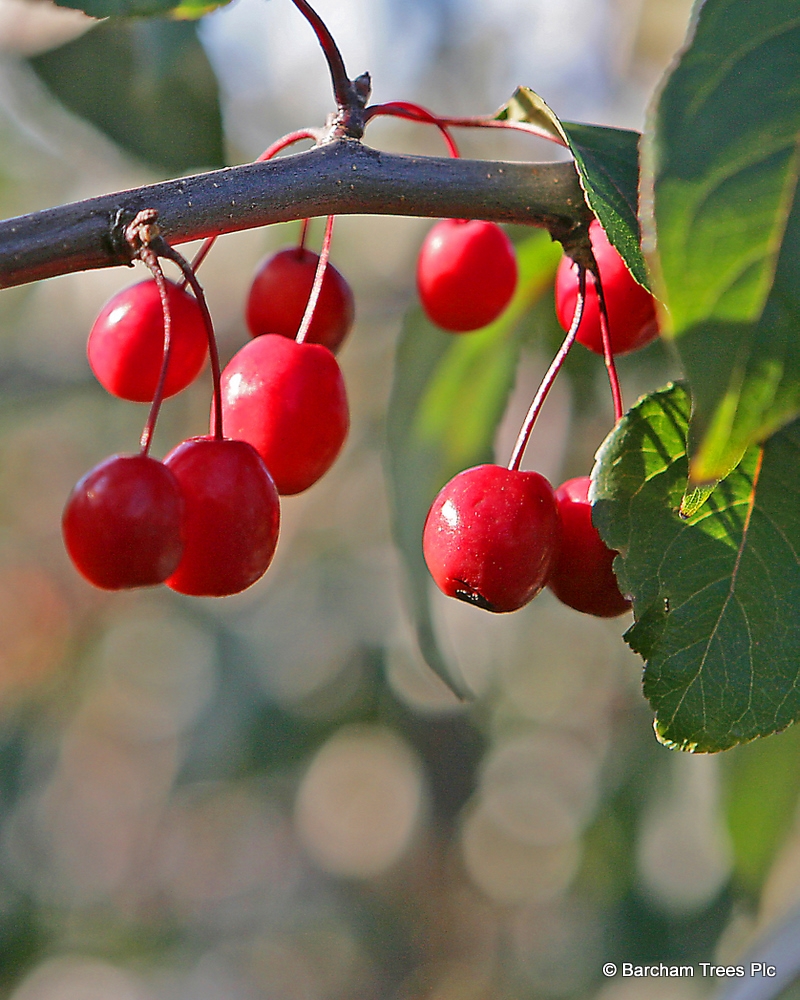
(631, 308)
(466, 273)
(288, 401)
(583, 576)
(231, 519)
(492, 536)
(126, 342)
(280, 292)
(122, 523)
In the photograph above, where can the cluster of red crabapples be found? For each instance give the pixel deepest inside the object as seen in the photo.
(495, 536)
(205, 521)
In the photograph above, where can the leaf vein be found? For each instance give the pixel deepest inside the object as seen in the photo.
(731, 591)
(726, 67)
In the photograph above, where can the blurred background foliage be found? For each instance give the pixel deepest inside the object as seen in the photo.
(271, 796)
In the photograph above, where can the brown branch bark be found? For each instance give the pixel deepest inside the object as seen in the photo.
(341, 177)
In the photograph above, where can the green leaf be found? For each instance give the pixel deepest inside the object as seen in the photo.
(607, 160)
(190, 10)
(146, 84)
(187, 10)
(448, 396)
(716, 595)
(608, 164)
(721, 164)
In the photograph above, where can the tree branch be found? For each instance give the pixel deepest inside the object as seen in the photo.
(341, 177)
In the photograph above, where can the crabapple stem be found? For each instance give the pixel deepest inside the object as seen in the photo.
(608, 354)
(550, 376)
(151, 260)
(140, 235)
(163, 249)
(201, 255)
(485, 122)
(319, 276)
(447, 121)
(269, 152)
(288, 140)
(301, 243)
(413, 112)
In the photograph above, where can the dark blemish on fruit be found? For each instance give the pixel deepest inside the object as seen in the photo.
(473, 597)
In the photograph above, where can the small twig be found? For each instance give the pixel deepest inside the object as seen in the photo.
(351, 95)
(339, 77)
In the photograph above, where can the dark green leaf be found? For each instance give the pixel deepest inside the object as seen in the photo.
(146, 84)
(448, 396)
(182, 9)
(721, 164)
(716, 595)
(607, 160)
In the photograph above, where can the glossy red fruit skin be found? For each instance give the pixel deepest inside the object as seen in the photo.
(631, 308)
(126, 342)
(466, 273)
(279, 294)
(122, 523)
(492, 536)
(583, 576)
(231, 519)
(288, 401)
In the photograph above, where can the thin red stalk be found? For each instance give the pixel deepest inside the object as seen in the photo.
(550, 376)
(608, 354)
(301, 243)
(163, 249)
(499, 123)
(339, 77)
(413, 112)
(319, 276)
(269, 152)
(151, 260)
(287, 140)
(446, 121)
(201, 255)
